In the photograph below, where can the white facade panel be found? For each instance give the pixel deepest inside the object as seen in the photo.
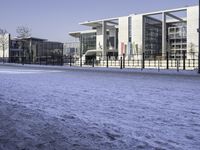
(123, 34)
(99, 39)
(137, 34)
(192, 34)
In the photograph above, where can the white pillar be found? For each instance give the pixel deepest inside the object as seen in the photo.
(115, 40)
(164, 32)
(104, 29)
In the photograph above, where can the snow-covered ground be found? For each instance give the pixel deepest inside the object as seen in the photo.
(72, 109)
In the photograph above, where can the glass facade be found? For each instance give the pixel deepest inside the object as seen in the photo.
(32, 48)
(88, 42)
(129, 29)
(177, 39)
(72, 48)
(152, 37)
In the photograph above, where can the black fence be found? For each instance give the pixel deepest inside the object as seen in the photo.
(184, 61)
(178, 61)
(42, 60)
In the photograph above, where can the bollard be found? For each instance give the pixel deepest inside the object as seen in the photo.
(123, 60)
(120, 62)
(143, 61)
(167, 56)
(107, 61)
(93, 62)
(184, 57)
(70, 61)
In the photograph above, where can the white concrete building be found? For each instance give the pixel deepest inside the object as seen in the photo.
(154, 34)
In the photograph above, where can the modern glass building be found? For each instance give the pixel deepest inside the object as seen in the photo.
(34, 50)
(154, 34)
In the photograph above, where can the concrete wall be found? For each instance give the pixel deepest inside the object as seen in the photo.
(192, 26)
(123, 33)
(99, 39)
(137, 34)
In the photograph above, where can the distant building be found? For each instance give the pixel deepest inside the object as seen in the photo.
(34, 50)
(71, 49)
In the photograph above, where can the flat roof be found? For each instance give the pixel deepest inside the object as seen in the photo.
(53, 42)
(34, 38)
(166, 10)
(96, 23)
(77, 34)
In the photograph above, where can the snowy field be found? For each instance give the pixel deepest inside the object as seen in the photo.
(81, 110)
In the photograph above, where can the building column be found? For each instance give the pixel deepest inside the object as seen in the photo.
(104, 29)
(141, 48)
(113, 34)
(30, 51)
(115, 40)
(9, 47)
(164, 32)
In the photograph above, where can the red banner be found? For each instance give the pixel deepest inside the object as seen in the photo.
(122, 48)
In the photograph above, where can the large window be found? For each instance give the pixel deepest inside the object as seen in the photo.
(152, 37)
(177, 39)
(88, 42)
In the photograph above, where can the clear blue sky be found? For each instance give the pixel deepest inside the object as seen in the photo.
(53, 19)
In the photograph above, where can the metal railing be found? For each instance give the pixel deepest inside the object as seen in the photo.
(183, 61)
(158, 61)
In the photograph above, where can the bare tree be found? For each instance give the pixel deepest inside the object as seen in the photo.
(192, 49)
(23, 32)
(3, 40)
